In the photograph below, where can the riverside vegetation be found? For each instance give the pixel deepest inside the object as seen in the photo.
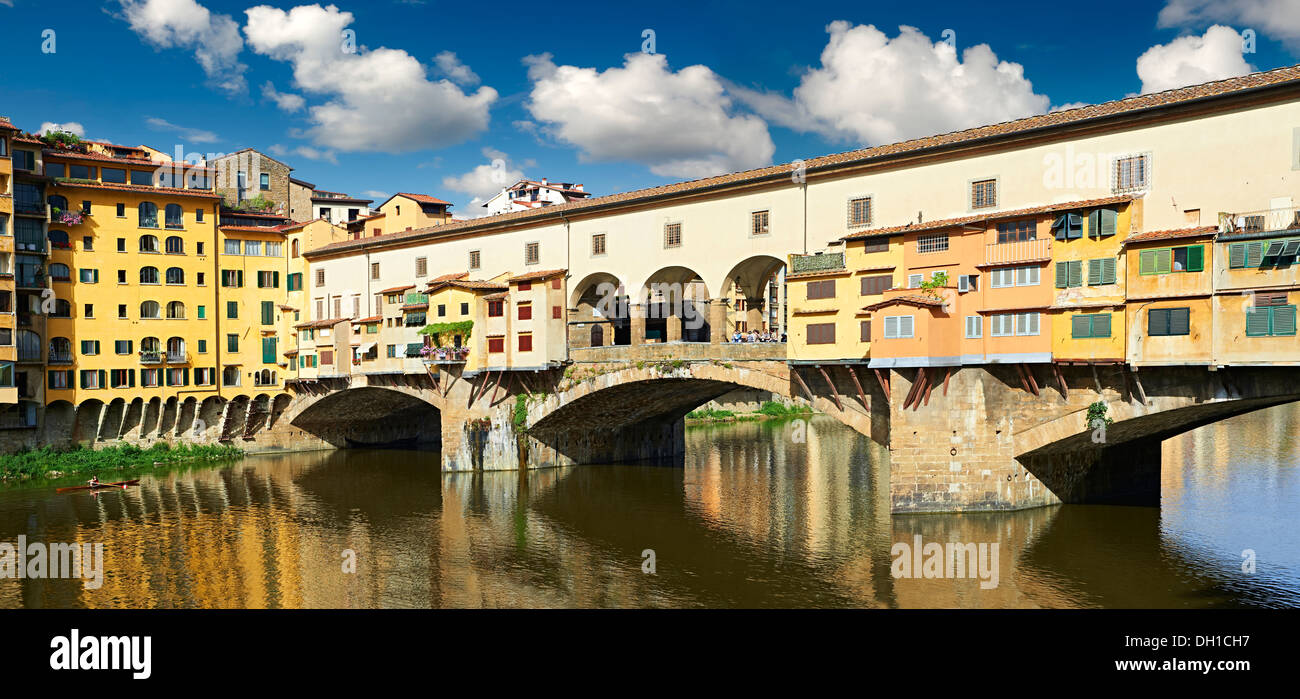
(769, 409)
(53, 463)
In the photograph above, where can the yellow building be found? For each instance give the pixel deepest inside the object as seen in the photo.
(1089, 269)
(252, 273)
(1170, 290)
(828, 294)
(401, 212)
(294, 308)
(131, 270)
(1255, 281)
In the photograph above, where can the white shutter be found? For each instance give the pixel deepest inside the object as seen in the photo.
(891, 327)
(914, 280)
(973, 326)
(963, 283)
(905, 326)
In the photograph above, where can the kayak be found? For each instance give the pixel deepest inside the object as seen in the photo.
(101, 486)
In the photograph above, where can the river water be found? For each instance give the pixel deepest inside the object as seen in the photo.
(764, 514)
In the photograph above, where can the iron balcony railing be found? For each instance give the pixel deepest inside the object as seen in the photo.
(177, 357)
(154, 357)
(1264, 220)
(60, 357)
(1017, 251)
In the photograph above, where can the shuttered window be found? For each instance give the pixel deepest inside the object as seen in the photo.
(821, 334)
(821, 290)
(1101, 271)
(1069, 274)
(1270, 321)
(1169, 321)
(864, 328)
(268, 350)
(268, 313)
(1086, 325)
(1102, 223)
(496, 345)
(898, 327)
(1068, 227)
(876, 284)
(526, 343)
(1186, 258)
(974, 326)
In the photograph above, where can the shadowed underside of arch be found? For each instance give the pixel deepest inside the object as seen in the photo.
(634, 403)
(370, 415)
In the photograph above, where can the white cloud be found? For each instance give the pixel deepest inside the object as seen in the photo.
(1277, 18)
(380, 99)
(679, 124)
(1190, 60)
(873, 89)
(376, 194)
(451, 67)
(185, 132)
(486, 180)
(186, 24)
(307, 152)
(73, 127)
(286, 101)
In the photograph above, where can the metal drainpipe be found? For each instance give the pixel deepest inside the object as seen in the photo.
(219, 379)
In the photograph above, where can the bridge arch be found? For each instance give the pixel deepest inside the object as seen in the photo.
(674, 302)
(370, 415)
(748, 286)
(598, 312)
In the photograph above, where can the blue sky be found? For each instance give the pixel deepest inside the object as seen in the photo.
(730, 85)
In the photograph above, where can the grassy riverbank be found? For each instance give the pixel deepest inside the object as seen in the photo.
(770, 409)
(50, 463)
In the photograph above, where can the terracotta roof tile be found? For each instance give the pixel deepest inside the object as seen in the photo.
(371, 319)
(422, 198)
(1281, 77)
(200, 193)
(396, 289)
(990, 216)
(908, 300)
(536, 276)
(1151, 236)
(446, 277)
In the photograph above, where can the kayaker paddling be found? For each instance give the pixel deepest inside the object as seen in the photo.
(94, 481)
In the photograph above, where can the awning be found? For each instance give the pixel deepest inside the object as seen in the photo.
(367, 347)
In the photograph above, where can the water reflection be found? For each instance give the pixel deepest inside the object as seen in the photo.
(761, 516)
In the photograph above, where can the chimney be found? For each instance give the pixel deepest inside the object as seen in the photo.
(543, 181)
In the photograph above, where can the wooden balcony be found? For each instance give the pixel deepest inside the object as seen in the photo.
(1019, 251)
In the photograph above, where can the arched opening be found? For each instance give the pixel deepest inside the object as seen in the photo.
(675, 304)
(599, 309)
(753, 292)
(372, 416)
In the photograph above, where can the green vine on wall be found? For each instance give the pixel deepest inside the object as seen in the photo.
(1098, 411)
(435, 330)
(938, 281)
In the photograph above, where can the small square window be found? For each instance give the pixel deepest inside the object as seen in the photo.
(673, 235)
(983, 194)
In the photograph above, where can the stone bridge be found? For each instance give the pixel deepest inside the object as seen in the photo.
(994, 437)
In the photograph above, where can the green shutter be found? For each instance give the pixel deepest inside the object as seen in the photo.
(1158, 322)
(1257, 322)
(1076, 273)
(1094, 272)
(268, 350)
(275, 280)
(103, 378)
(1147, 262)
(239, 278)
(1109, 222)
(1180, 321)
(1101, 325)
(1080, 326)
(1164, 261)
(1062, 274)
(1237, 255)
(1060, 226)
(1283, 320)
(1254, 254)
(1108, 270)
(1195, 258)
(268, 313)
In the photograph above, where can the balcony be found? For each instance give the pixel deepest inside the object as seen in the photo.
(1262, 221)
(26, 207)
(178, 358)
(29, 355)
(154, 357)
(60, 357)
(1017, 251)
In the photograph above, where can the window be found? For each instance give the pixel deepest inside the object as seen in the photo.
(598, 244)
(1101, 271)
(1086, 325)
(821, 334)
(268, 280)
(121, 210)
(556, 313)
(1102, 223)
(293, 248)
(198, 216)
(672, 235)
(932, 242)
(175, 310)
(230, 376)
(1163, 322)
(473, 259)
(1261, 253)
(90, 347)
(231, 247)
(92, 378)
(174, 245)
(174, 216)
(1270, 320)
(532, 253)
(294, 281)
(983, 194)
(264, 180)
(864, 331)
(1131, 173)
(150, 309)
(320, 277)
(496, 309)
(88, 276)
(391, 351)
(496, 345)
(759, 223)
(120, 378)
(148, 275)
(525, 342)
(203, 312)
(876, 284)
(1186, 258)
(860, 212)
(974, 327)
(1026, 323)
(150, 378)
(148, 243)
(1002, 325)
(175, 275)
(914, 280)
(61, 379)
(1014, 276)
(253, 247)
(1016, 231)
(148, 217)
(121, 310)
(24, 160)
(1068, 227)
(464, 309)
(421, 266)
(232, 278)
(232, 309)
(1069, 274)
(821, 290)
(88, 310)
(122, 346)
(204, 376)
(525, 311)
(232, 342)
(59, 272)
(898, 327)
